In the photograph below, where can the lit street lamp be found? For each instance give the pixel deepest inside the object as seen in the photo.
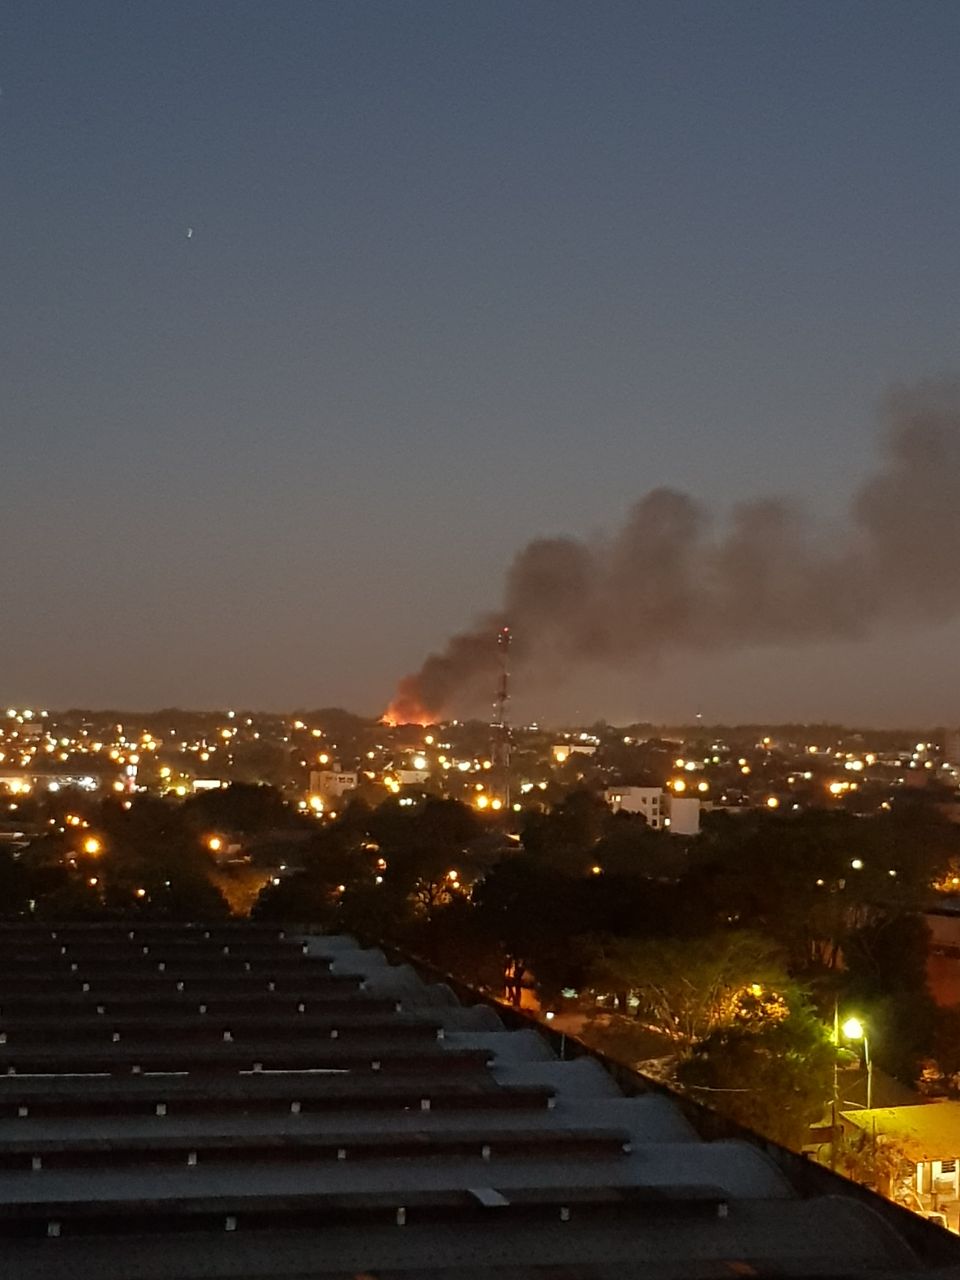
(854, 1029)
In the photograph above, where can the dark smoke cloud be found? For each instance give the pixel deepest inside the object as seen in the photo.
(673, 578)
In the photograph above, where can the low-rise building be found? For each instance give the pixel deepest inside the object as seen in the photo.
(412, 777)
(663, 811)
(562, 751)
(927, 1140)
(26, 782)
(684, 815)
(332, 784)
(651, 802)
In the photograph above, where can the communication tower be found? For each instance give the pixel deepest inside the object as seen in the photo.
(500, 745)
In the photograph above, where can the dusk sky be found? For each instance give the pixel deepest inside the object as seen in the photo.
(312, 314)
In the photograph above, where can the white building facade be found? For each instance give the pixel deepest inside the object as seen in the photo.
(662, 810)
(332, 784)
(648, 801)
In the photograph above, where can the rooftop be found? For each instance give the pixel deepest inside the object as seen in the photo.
(238, 1102)
(921, 1133)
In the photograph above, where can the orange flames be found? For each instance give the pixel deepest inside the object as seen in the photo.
(398, 713)
(407, 708)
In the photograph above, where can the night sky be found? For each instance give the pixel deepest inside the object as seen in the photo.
(460, 274)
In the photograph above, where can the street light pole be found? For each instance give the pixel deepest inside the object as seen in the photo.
(836, 1085)
(854, 1029)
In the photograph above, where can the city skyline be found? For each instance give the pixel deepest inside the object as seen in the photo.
(317, 314)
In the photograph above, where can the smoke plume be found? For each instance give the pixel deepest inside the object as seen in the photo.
(674, 578)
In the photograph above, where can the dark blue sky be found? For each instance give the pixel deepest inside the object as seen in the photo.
(461, 273)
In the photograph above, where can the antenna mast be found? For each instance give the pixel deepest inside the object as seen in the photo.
(501, 727)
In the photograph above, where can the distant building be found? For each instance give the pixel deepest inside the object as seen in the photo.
(684, 814)
(562, 751)
(25, 782)
(648, 801)
(943, 923)
(332, 784)
(412, 777)
(662, 810)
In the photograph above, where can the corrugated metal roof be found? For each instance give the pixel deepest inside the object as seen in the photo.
(478, 1153)
(922, 1133)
